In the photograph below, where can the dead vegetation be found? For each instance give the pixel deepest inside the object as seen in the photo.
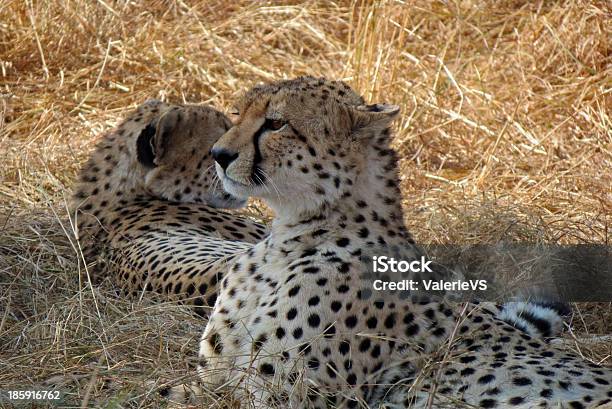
(506, 133)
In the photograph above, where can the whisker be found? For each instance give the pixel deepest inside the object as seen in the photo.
(262, 181)
(213, 186)
(272, 183)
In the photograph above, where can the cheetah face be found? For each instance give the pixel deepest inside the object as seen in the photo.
(299, 143)
(173, 149)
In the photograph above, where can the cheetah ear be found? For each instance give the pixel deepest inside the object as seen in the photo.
(366, 119)
(154, 140)
(144, 147)
(165, 129)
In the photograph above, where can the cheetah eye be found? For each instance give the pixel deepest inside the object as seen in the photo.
(274, 124)
(234, 111)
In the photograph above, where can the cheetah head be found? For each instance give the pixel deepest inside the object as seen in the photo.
(300, 144)
(172, 149)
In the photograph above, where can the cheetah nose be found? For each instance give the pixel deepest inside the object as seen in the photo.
(223, 157)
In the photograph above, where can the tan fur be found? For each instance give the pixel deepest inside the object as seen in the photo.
(296, 324)
(150, 222)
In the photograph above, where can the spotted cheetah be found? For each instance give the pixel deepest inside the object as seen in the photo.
(296, 323)
(148, 200)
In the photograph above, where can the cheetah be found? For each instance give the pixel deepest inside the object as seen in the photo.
(296, 324)
(147, 204)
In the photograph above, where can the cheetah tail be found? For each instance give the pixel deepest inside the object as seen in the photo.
(542, 319)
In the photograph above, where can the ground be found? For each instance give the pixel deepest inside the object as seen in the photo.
(505, 134)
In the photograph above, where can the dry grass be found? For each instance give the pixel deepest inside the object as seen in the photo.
(506, 133)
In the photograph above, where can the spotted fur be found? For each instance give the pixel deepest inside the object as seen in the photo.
(146, 206)
(296, 323)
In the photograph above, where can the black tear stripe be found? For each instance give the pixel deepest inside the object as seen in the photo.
(144, 148)
(257, 175)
